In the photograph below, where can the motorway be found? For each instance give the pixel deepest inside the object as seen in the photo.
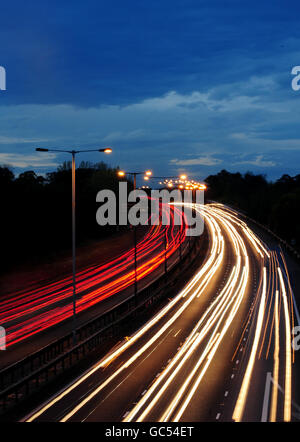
(220, 350)
(29, 312)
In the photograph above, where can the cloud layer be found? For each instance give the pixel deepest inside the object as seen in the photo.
(193, 86)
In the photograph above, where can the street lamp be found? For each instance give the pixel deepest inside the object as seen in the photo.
(170, 184)
(147, 174)
(106, 150)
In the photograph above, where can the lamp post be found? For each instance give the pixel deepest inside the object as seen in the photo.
(122, 173)
(106, 150)
(182, 177)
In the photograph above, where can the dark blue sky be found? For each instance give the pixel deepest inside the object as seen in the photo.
(193, 85)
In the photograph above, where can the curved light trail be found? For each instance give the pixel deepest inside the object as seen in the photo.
(171, 394)
(27, 313)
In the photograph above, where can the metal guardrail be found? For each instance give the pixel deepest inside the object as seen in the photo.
(283, 242)
(22, 379)
(280, 240)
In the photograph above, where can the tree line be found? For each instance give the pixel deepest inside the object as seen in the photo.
(274, 204)
(36, 211)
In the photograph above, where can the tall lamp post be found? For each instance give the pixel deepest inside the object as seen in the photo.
(121, 174)
(106, 150)
(182, 178)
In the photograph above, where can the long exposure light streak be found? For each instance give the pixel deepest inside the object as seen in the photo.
(240, 404)
(167, 398)
(276, 364)
(30, 312)
(288, 355)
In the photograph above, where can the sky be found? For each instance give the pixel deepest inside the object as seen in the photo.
(175, 86)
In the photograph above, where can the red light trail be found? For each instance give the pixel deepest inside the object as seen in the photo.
(29, 312)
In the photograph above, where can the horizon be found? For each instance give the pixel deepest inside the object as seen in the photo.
(93, 164)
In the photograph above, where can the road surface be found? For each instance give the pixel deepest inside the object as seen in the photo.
(31, 311)
(220, 350)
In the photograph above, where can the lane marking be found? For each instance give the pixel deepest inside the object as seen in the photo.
(264, 416)
(177, 333)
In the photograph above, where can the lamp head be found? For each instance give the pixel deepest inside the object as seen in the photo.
(106, 150)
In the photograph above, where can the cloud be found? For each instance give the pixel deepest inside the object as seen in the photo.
(173, 99)
(25, 161)
(132, 135)
(98, 52)
(258, 162)
(15, 140)
(198, 161)
(196, 99)
(192, 130)
(166, 84)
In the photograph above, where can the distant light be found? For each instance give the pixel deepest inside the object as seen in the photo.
(146, 178)
(148, 173)
(183, 177)
(121, 173)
